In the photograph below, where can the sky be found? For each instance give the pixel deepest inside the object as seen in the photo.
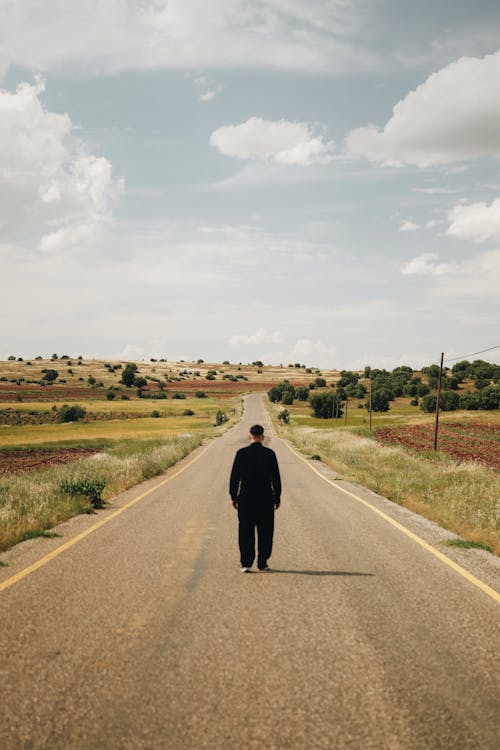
(313, 181)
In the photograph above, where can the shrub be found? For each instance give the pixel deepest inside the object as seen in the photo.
(50, 375)
(110, 395)
(200, 394)
(90, 488)
(284, 416)
(220, 418)
(124, 397)
(73, 413)
(155, 413)
(188, 413)
(91, 380)
(179, 395)
(140, 382)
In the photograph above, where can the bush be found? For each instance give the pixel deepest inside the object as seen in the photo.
(124, 397)
(90, 488)
(73, 413)
(284, 416)
(188, 413)
(50, 375)
(200, 394)
(140, 382)
(179, 395)
(220, 418)
(155, 414)
(110, 395)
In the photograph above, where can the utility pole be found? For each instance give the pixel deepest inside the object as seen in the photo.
(370, 400)
(436, 426)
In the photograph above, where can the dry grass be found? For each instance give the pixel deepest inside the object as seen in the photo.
(34, 502)
(461, 497)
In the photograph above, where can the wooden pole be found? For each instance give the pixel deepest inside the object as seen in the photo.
(370, 401)
(436, 426)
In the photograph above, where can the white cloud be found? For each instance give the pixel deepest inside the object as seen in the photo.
(408, 226)
(453, 116)
(149, 34)
(426, 265)
(279, 142)
(48, 184)
(435, 191)
(208, 88)
(309, 349)
(261, 336)
(475, 221)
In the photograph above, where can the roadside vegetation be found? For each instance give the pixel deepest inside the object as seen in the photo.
(461, 496)
(31, 503)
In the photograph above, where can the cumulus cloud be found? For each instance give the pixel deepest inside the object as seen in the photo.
(426, 264)
(49, 184)
(309, 349)
(261, 336)
(408, 226)
(148, 34)
(453, 116)
(475, 221)
(279, 142)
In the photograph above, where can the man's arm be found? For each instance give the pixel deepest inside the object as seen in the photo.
(234, 481)
(276, 481)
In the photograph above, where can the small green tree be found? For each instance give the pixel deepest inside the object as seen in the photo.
(129, 374)
(74, 413)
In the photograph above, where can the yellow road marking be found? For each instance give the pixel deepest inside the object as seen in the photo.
(74, 540)
(495, 595)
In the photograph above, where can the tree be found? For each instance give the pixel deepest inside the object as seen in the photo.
(326, 405)
(302, 393)
(50, 375)
(140, 382)
(284, 416)
(129, 374)
(74, 413)
(380, 400)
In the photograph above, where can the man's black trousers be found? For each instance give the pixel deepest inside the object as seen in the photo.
(251, 517)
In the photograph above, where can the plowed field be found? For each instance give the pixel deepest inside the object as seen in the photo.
(15, 462)
(470, 441)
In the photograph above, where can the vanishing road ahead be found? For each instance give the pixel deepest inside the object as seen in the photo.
(144, 634)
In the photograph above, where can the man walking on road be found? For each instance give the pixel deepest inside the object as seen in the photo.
(255, 489)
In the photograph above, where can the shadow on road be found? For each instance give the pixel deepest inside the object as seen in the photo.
(319, 572)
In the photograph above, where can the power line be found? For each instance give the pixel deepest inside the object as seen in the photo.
(466, 356)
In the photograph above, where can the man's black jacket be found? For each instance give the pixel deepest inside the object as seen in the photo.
(255, 476)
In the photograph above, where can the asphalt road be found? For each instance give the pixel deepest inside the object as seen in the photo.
(145, 634)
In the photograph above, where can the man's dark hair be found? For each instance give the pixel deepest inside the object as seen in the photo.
(256, 430)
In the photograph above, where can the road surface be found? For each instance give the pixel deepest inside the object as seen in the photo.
(144, 633)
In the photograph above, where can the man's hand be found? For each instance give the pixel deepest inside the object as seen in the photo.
(235, 504)
(277, 505)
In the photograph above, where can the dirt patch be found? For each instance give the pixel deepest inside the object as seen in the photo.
(25, 460)
(472, 441)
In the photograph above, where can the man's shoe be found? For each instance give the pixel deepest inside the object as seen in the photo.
(244, 570)
(265, 569)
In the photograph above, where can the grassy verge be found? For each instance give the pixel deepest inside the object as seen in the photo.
(32, 503)
(461, 497)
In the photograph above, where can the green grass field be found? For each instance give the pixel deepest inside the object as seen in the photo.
(170, 422)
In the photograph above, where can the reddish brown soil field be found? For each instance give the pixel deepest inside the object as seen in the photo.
(471, 441)
(17, 461)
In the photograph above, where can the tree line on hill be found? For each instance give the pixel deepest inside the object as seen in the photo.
(402, 381)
